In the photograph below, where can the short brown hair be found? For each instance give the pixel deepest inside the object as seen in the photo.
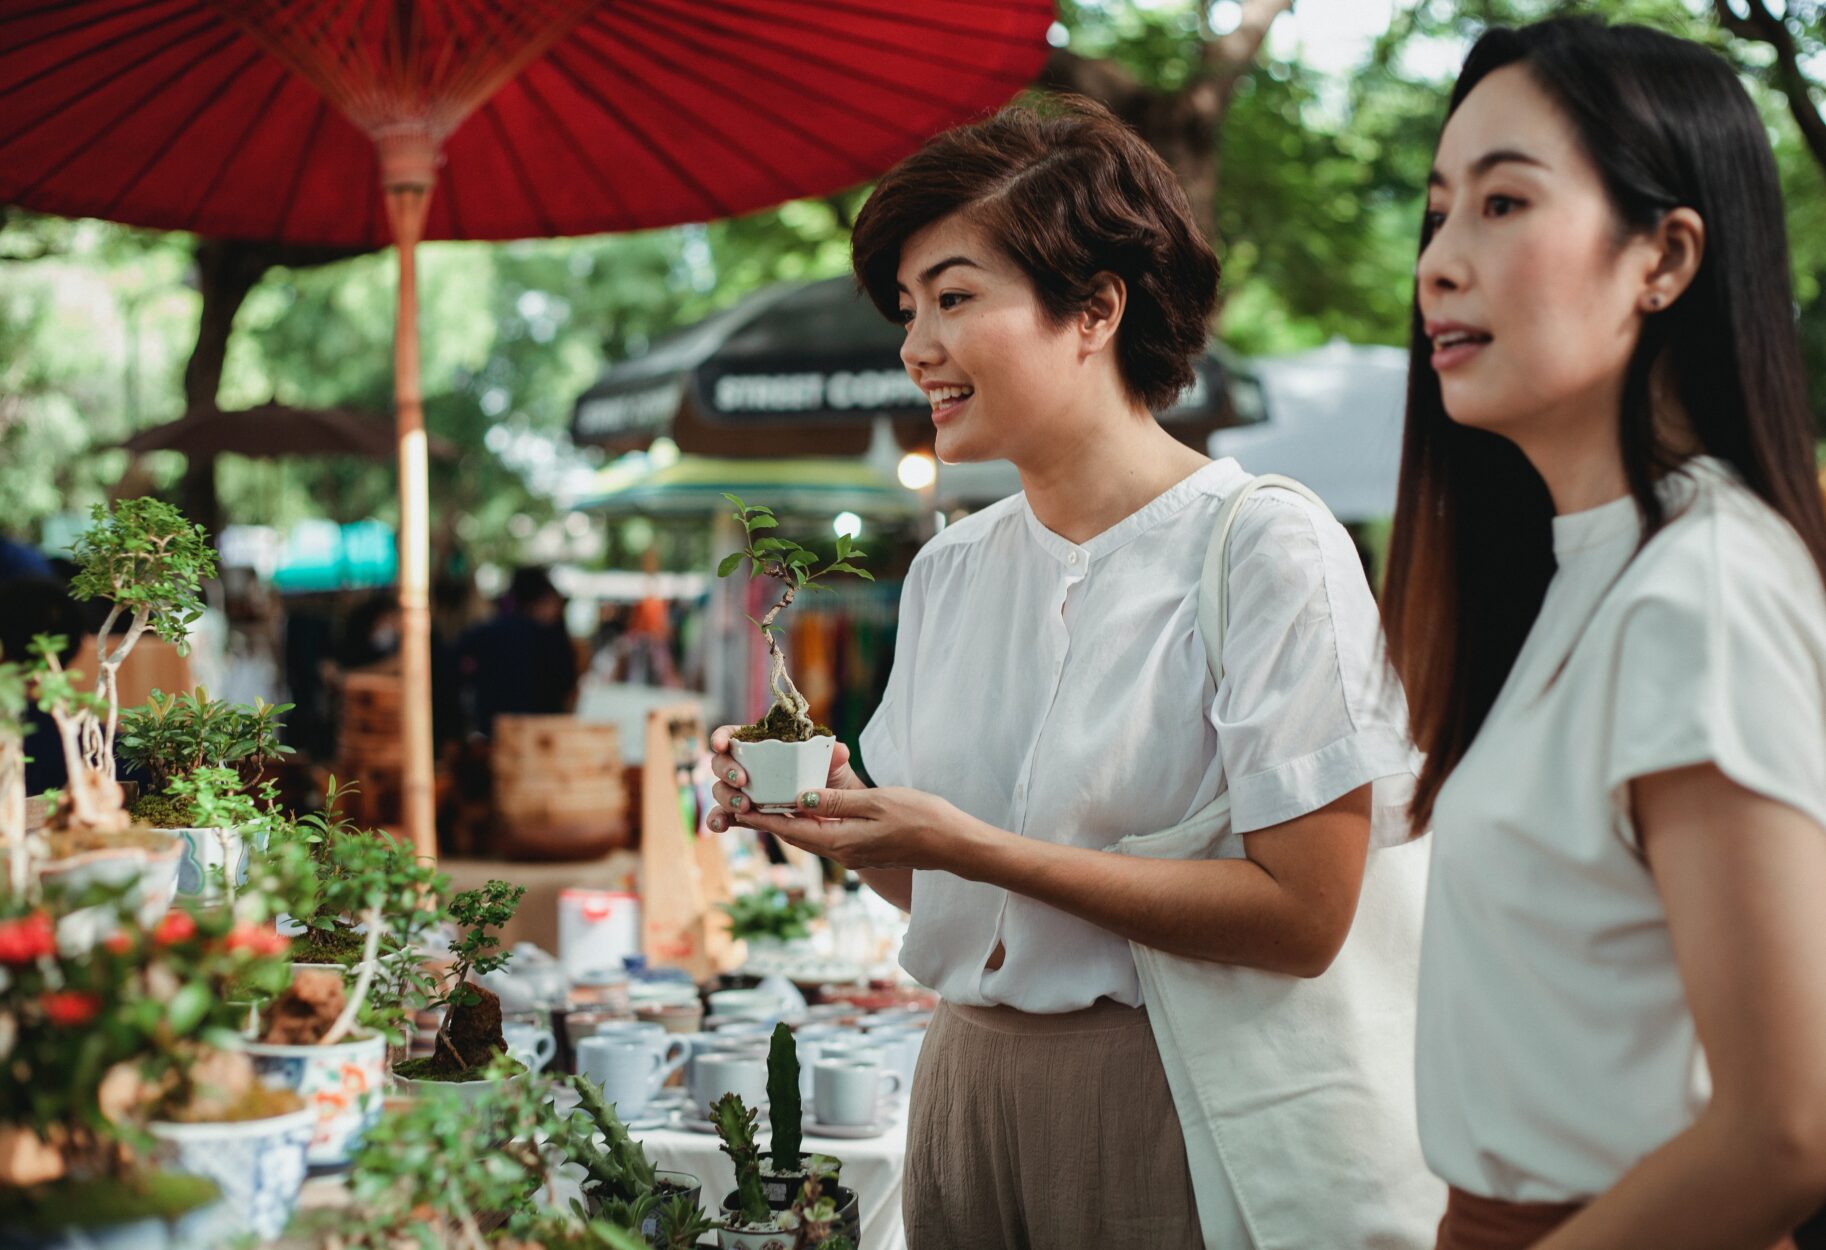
(1068, 193)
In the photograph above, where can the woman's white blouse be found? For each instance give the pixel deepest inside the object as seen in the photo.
(1555, 1044)
(1061, 691)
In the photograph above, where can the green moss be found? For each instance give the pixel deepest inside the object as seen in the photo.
(778, 726)
(162, 811)
(430, 1069)
(43, 1209)
(328, 946)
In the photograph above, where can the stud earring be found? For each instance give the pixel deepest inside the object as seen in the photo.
(1654, 301)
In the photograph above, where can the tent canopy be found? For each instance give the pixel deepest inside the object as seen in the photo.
(1338, 413)
(694, 486)
(802, 368)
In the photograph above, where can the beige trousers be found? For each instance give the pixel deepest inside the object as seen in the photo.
(1051, 1132)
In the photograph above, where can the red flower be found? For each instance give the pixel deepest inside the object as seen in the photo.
(119, 943)
(174, 926)
(257, 940)
(69, 1008)
(27, 938)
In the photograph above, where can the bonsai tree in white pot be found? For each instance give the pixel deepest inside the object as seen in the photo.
(148, 562)
(784, 753)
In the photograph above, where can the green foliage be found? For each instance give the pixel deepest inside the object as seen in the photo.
(768, 912)
(144, 557)
(780, 558)
(682, 1223)
(784, 1112)
(735, 1123)
(432, 1159)
(15, 698)
(355, 873)
(55, 688)
(177, 734)
(477, 952)
(215, 800)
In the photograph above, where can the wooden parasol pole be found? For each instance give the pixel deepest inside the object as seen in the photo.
(408, 169)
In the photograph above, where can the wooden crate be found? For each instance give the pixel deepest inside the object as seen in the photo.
(558, 787)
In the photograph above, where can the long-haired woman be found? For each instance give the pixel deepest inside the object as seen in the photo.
(1606, 604)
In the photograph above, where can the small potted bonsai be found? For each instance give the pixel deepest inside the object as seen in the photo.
(621, 1184)
(318, 1037)
(148, 562)
(195, 749)
(105, 1040)
(426, 1178)
(809, 1220)
(360, 872)
(469, 1038)
(784, 753)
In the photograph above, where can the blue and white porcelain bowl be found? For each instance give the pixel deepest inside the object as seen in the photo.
(258, 1164)
(344, 1084)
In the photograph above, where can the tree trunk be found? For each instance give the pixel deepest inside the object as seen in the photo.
(1185, 125)
(1759, 25)
(227, 269)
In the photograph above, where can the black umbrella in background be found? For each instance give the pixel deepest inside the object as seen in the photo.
(804, 369)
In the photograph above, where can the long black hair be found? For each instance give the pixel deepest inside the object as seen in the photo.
(1667, 124)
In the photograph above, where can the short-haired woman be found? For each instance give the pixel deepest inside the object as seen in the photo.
(1606, 603)
(1051, 693)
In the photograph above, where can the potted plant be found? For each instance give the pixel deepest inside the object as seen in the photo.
(103, 1040)
(810, 1221)
(187, 741)
(469, 1037)
(620, 1182)
(786, 1169)
(359, 873)
(769, 916)
(784, 753)
(148, 561)
(426, 1178)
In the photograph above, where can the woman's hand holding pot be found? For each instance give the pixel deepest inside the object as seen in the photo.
(732, 806)
(891, 827)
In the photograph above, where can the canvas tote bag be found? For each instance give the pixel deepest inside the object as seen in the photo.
(1296, 1096)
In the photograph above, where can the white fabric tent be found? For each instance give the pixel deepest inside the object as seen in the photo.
(1334, 423)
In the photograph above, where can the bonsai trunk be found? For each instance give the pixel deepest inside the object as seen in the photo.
(107, 684)
(786, 694)
(12, 809)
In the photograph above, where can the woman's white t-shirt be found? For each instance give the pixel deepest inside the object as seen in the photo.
(1062, 691)
(1555, 1044)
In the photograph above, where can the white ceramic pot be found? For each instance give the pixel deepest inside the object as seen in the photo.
(152, 874)
(779, 772)
(259, 1165)
(470, 1092)
(343, 1084)
(207, 854)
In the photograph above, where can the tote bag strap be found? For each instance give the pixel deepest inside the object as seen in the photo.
(1214, 591)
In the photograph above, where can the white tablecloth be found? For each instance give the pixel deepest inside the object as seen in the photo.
(873, 1167)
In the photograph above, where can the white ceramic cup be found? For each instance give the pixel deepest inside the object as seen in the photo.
(851, 1093)
(715, 1074)
(532, 1044)
(673, 1049)
(628, 1071)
